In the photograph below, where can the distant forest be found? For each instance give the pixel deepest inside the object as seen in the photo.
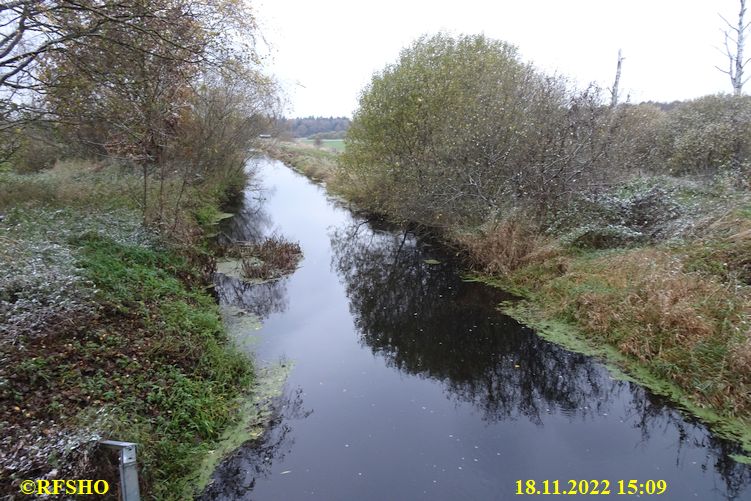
(322, 127)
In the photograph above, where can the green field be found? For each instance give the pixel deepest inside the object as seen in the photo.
(332, 144)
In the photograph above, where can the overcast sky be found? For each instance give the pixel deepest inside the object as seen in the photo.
(325, 51)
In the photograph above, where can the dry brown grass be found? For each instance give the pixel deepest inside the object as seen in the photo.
(270, 259)
(76, 183)
(683, 312)
(506, 246)
(664, 299)
(741, 357)
(689, 327)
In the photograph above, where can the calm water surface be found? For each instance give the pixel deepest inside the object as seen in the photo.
(408, 384)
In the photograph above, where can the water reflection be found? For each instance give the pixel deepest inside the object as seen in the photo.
(251, 221)
(259, 299)
(654, 415)
(253, 461)
(425, 321)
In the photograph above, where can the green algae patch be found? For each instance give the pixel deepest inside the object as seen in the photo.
(239, 321)
(498, 283)
(231, 267)
(255, 412)
(627, 369)
(241, 326)
(255, 409)
(555, 331)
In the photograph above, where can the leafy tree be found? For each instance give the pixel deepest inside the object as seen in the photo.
(216, 132)
(123, 89)
(460, 128)
(132, 89)
(33, 29)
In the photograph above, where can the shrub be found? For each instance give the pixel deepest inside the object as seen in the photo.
(603, 237)
(640, 211)
(708, 134)
(37, 151)
(634, 143)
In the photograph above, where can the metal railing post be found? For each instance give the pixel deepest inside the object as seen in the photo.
(128, 469)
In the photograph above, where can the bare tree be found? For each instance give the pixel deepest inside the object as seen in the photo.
(736, 35)
(614, 90)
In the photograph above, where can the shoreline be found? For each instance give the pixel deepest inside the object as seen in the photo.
(621, 367)
(134, 347)
(533, 313)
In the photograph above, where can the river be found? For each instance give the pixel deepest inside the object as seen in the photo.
(407, 383)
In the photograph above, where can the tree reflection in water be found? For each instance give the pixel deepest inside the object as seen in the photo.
(260, 299)
(654, 413)
(424, 320)
(239, 473)
(251, 222)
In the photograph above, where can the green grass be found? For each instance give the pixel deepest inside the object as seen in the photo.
(318, 164)
(172, 380)
(330, 144)
(139, 351)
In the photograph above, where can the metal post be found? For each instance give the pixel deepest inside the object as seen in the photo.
(128, 469)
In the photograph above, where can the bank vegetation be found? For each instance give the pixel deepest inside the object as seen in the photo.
(124, 129)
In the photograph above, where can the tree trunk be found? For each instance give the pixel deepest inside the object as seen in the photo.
(614, 90)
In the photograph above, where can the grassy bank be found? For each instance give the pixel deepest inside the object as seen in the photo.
(668, 291)
(333, 145)
(108, 331)
(318, 164)
(654, 275)
(680, 331)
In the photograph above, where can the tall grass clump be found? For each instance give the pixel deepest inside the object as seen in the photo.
(504, 246)
(267, 260)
